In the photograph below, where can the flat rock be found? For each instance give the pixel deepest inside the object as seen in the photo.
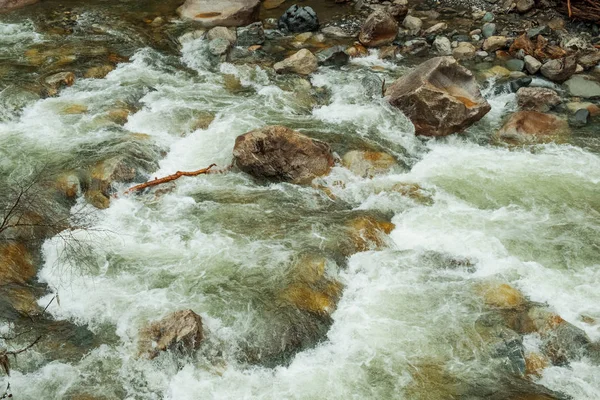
(209, 13)
(537, 99)
(440, 97)
(583, 86)
(532, 127)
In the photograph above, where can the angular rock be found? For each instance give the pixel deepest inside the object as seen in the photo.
(56, 81)
(368, 163)
(522, 43)
(179, 331)
(537, 99)
(298, 19)
(413, 24)
(442, 46)
(209, 13)
(581, 118)
(519, 83)
(588, 58)
(532, 65)
(515, 65)
(380, 29)
(532, 127)
(559, 70)
(281, 154)
(219, 46)
(251, 34)
(464, 51)
(440, 26)
(303, 62)
(544, 50)
(440, 97)
(494, 43)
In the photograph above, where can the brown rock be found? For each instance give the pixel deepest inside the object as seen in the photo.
(502, 296)
(535, 363)
(281, 154)
(537, 99)
(522, 43)
(544, 50)
(380, 29)
(398, 10)
(588, 58)
(179, 331)
(440, 97)
(98, 72)
(532, 126)
(209, 13)
(494, 43)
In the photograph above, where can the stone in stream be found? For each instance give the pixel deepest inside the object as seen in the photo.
(413, 24)
(583, 86)
(278, 153)
(380, 29)
(56, 81)
(335, 55)
(532, 127)
(368, 233)
(525, 5)
(16, 264)
(580, 118)
(298, 19)
(7, 5)
(520, 83)
(179, 331)
(559, 70)
(221, 32)
(398, 9)
(251, 35)
(440, 97)
(219, 46)
(209, 13)
(532, 64)
(368, 163)
(464, 51)
(537, 99)
(488, 29)
(515, 65)
(442, 46)
(494, 43)
(588, 58)
(303, 62)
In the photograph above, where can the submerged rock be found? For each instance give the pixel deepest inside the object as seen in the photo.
(281, 154)
(303, 62)
(380, 29)
(335, 55)
(209, 13)
(298, 19)
(16, 263)
(56, 81)
(179, 331)
(368, 163)
(532, 127)
(368, 233)
(440, 97)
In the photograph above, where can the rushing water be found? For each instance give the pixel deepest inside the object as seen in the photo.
(405, 326)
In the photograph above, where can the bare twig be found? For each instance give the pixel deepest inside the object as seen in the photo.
(169, 178)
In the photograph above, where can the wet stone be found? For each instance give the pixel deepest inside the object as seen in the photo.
(580, 118)
(299, 19)
(251, 35)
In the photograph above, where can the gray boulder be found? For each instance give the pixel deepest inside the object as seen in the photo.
(559, 70)
(179, 331)
(440, 97)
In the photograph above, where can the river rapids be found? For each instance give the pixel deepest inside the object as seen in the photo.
(407, 323)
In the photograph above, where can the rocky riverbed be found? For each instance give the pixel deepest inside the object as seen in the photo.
(405, 202)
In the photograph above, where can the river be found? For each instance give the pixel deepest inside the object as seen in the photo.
(407, 322)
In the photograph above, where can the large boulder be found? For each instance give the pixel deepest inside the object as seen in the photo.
(298, 19)
(179, 331)
(211, 13)
(303, 62)
(532, 127)
(282, 154)
(380, 29)
(7, 5)
(440, 97)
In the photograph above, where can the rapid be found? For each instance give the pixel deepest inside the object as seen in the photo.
(407, 319)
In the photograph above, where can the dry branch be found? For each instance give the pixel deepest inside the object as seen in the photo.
(169, 178)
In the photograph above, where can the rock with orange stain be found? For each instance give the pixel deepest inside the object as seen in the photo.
(440, 97)
(368, 163)
(502, 296)
(535, 363)
(533, 127)
(367, 232)
(210, 13)
(380, 29)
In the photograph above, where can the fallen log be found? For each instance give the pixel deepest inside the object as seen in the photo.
(176, 175)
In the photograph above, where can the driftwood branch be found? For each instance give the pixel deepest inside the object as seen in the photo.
(169, 178)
